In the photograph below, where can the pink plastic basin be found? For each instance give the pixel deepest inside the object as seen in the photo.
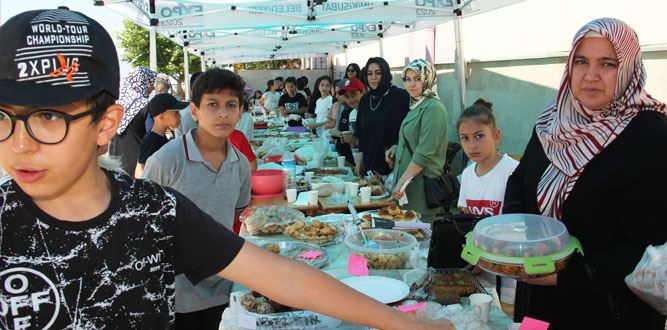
(267, 182)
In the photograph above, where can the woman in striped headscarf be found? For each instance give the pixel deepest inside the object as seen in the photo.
(596, 162)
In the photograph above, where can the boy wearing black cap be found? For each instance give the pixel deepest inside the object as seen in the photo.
(165, 111)
(84, 247)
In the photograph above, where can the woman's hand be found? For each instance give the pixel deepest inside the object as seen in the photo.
(389, 156)
(550, 280)
(397, 190)
(349, 138)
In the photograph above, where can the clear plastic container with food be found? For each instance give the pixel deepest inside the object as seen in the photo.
(393, 252)
(520, 245)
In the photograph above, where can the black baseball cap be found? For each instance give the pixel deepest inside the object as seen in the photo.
(165, 102)
(55, 57)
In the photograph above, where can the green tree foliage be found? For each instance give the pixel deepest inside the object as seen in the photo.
(135, 39)
(270, 65)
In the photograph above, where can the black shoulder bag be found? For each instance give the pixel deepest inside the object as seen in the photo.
(442, 190)
(448, 239)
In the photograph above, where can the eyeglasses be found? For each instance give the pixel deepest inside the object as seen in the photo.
(44, 126)
(351, 70)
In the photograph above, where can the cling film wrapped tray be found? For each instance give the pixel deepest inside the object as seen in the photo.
(267, 220)
(649, 279)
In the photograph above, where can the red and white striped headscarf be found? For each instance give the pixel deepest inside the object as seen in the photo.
(571, 134)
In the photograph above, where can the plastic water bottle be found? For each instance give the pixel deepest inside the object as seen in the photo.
(289, 171)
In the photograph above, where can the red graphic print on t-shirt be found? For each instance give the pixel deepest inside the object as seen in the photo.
(484, 206)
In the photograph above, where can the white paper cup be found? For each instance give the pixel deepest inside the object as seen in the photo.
(481, 303)
(312, 197)
(353, 188)
(365, 194)
(341, 161)
(291, 195)
(309, 175)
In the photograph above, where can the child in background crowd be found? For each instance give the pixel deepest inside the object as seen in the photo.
(291, 102)
(269, 100)
(245, 124)
(322, 104)
(255, 105)
(483, 182)
(165, 110)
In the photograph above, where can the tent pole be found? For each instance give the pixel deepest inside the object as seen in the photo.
(152, 49)
(186, 68)
(347, 57)
(460, 63)
(203, 64)
(381, 47)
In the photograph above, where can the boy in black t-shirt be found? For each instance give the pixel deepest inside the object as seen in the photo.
(83, 247)
(291, 102)
(165, 111)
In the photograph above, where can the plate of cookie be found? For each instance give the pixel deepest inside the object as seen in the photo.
(314, 231)
(392, 212)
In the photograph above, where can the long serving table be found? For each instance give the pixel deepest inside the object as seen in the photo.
(337, 267)
(339, 254)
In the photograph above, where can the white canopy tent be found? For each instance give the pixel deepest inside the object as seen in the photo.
(234, 31)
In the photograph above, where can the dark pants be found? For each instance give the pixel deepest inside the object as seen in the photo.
(208, 319)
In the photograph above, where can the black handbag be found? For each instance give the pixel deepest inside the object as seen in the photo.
(448, 239)
(442, 190)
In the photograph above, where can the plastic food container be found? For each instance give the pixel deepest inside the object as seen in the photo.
(394, 250)
(520, 245)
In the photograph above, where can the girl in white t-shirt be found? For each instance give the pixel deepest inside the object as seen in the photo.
(483, 182)
(322, 105)
(269, 100)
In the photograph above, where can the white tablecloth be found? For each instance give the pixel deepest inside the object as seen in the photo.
(337, 268)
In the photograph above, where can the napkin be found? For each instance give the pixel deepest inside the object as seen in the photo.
(411, 308)
(310, 255)
(533, 324)
(301, 199)
(357, 266)
(404, 199)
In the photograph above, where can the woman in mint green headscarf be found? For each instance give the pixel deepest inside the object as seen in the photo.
(422, 139)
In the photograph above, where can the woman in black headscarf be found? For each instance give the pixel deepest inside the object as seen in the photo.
(381, 111)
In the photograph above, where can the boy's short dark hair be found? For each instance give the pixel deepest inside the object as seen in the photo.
(215, 80)
(100, 101)
(290, 80)
(279, 78)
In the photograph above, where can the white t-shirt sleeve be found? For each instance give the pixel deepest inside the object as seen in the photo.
(465, 182)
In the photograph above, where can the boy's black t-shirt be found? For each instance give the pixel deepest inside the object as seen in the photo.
(151, 143)
(292, 104)
(115, 271)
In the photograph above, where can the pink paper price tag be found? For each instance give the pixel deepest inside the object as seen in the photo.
(533, 324)
(310, 255)
(357, 266)
(411, 308)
